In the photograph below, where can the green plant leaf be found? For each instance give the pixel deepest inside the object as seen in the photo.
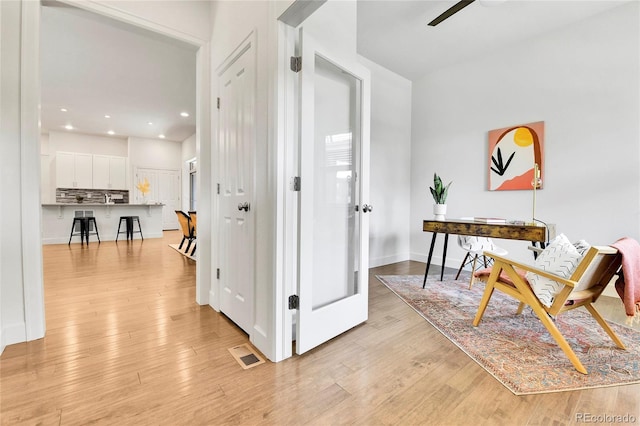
(439, 192)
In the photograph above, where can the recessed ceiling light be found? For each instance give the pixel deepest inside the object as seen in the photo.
(63, 109)
(184, 114)
(68, 127)
(161, 136)
(150, 123)
(107, 116)
(111, 132)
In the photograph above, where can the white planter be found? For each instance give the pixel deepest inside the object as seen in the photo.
(439, 210)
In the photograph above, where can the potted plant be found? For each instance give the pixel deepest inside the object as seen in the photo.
(439, 193)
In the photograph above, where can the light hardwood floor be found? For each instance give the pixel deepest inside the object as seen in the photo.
(127, 344)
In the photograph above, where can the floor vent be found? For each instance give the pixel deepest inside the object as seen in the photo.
(246, 356)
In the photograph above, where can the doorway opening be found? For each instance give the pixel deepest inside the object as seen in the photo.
(193, 185)
(135, 25)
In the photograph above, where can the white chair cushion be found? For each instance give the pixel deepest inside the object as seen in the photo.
(477, 245)
(560, 258)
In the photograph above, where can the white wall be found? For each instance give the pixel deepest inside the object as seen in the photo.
(189, 17)
(2, 162)
(389, 225)
(20, 249)
(88, 144)
(334, 25)
(155, 154)
(11, 297)
(47, 194)
(583, 82)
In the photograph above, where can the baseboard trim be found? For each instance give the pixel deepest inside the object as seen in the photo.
(212, 300)
(13, 334)
(387, 260)
(93, 239)
(437, 260)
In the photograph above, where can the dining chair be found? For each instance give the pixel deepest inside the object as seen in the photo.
(475, 247)
(185, 224)
(193, 215)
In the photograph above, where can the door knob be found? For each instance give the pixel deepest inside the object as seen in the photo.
(244, 206)
(367, 208)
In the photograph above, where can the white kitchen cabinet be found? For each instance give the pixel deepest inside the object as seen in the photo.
(101, 172)
(74, 170)
(109, 172)
(118, 172)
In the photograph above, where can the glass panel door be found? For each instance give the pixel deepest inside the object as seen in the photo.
(334, 166)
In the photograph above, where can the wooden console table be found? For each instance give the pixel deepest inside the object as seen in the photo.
(533, 233)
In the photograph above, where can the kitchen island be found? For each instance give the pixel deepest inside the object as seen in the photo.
(57, 220)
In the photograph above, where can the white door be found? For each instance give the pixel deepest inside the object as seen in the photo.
(334, 167)
(164, 187)
(169, 195)
(151, 175)
(237, 217)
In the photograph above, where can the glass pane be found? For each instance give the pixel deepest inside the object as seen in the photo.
(192, 192)
(336, 186)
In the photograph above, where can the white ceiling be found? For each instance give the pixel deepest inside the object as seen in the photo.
(94, 66)
(395, 34)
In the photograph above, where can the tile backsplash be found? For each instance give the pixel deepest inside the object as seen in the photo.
(93, 196)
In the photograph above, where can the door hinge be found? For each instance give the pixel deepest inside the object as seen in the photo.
(294, 302)
(218, 103)
(218, 273)
(296, 183)
(218, 189)
(296, 63)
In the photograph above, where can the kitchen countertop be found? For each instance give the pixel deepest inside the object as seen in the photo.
(100, 204)
(57, 219)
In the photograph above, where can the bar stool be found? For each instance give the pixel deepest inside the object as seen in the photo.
(90, 220)
(128, 221)
(82, 223)
(85, 223)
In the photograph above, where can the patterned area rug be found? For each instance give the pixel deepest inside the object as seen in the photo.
(188, 255)
(517, 349)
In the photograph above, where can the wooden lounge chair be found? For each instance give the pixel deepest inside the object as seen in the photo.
(582, 288)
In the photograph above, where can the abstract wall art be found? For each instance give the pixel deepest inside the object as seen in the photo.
(513, 153)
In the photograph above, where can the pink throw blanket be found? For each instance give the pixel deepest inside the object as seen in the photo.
(628, 285)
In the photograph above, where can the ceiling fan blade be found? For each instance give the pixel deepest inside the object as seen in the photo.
(451, 11)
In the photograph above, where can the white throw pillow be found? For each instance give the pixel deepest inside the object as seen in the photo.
(582, 246)
(561, 258)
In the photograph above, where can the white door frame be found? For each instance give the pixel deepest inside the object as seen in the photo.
(30, 146)
(286, 267)
(287, 200)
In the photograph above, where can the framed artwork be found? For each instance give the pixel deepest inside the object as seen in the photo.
(513, 153)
